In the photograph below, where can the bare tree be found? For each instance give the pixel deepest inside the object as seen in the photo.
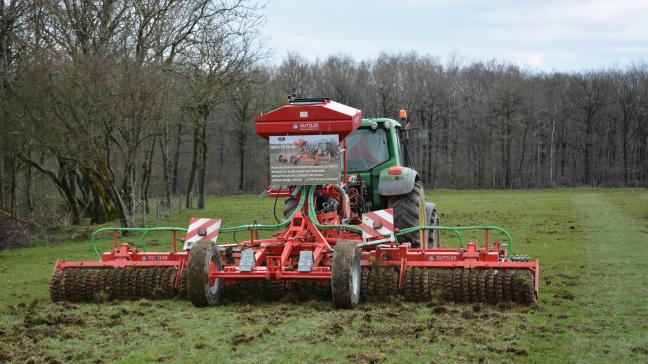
(212, 69)
(589, 96)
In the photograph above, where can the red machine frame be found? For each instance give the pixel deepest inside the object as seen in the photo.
(276, 258)
(279, 253)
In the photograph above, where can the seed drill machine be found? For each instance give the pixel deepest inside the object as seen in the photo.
(357, 228)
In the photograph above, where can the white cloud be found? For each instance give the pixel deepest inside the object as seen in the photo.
(531, 59)
(547, 35)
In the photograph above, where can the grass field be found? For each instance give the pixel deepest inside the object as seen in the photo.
(593, 306)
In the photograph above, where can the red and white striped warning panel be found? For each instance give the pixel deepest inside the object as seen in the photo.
(201, 229)
(378, 223)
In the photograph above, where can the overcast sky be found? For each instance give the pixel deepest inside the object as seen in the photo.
(540, 35)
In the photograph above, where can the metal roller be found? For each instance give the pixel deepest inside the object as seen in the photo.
(379, 283)
(469, 285)
(92, 285)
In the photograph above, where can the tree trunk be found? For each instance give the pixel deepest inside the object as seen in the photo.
(436, 167)
(126, 217)
(29, 200)
(103, 209)
(429, 158)
(164, 151)
(587, 176)
(4, 54)
(60, 181)
(626, 132)
(128, 199)
(3, 205)
(147, 167)
(521, 164)
(13, 208)
(194, 164)
(202, 181)
(242, 138)
(176, 160)
(509, 142)
(538, 147)
(221, 156)
(502, 148)
(551, 154)
(450, 144)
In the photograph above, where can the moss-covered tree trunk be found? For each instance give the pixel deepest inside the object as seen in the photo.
(61, 181)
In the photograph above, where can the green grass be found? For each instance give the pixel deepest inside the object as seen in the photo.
(592, 246)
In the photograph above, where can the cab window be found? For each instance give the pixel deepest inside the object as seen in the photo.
(366, 149)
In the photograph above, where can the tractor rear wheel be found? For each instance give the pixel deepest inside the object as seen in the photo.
(200, 290)
(345, 275)
(406, 212)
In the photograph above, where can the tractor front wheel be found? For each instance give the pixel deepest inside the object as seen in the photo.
(200, 289)
(345, 275)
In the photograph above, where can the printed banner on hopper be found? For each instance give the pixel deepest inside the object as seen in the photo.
(304, 159)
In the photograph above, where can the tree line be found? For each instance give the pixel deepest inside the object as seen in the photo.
(105, 104)
(94, 93)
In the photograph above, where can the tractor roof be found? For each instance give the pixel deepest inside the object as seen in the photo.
(367, 122)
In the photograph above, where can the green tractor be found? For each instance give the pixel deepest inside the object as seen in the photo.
(380, 176)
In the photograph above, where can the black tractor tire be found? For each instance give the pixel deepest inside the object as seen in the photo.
(406, 213)
(345, 275)
(432, 234)
(289, 206)
(199, 291)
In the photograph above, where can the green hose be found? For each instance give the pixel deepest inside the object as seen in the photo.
(310, 194)
(254, 227)
(251, 227)
(93, 238)
(457, 230)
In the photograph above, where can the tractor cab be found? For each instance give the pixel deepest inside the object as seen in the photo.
(379, 151)
(380, 173)
(373, 145)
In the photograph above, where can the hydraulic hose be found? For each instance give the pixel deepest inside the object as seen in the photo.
(456, 230)
(145, 231)
(309, 195)
(355, 229)
(253, 227)
(313, 216)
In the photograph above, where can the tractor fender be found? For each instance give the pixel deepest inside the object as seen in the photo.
(398, 184)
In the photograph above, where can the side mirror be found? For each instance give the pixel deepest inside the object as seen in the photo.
(423, 136)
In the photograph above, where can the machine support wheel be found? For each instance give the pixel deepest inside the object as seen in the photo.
(199, 290)
(406, 212)
(289, 206)
(345, 275)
